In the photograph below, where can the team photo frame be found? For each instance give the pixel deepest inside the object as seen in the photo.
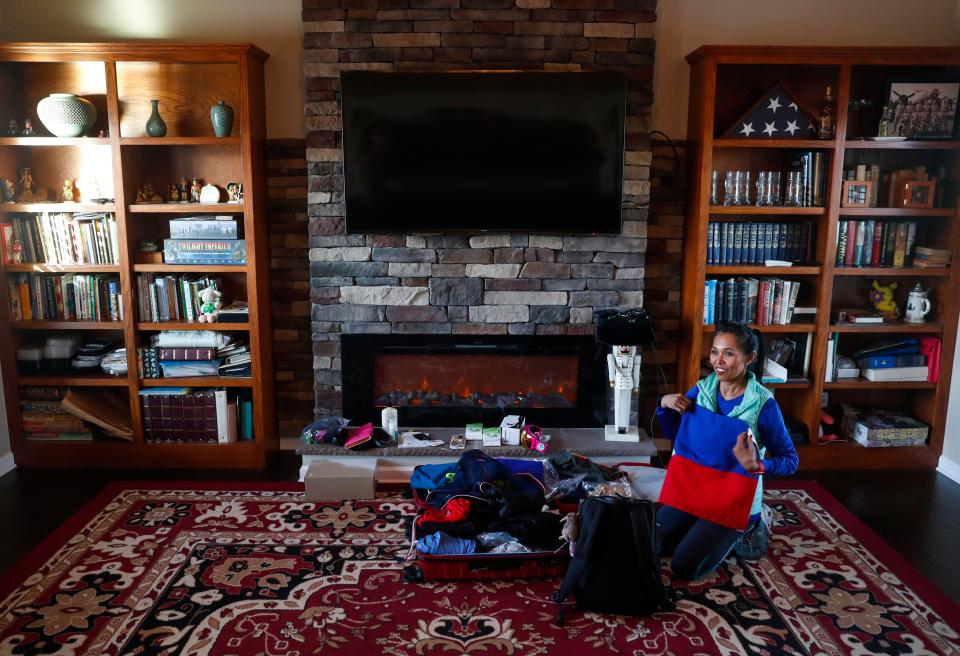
(923, 109)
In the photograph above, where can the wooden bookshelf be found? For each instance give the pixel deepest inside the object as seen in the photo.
(121, 79)
(725, 82)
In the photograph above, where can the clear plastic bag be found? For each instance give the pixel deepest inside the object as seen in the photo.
(323, 431)
(620, 487)
(491, 540)
(555, 487)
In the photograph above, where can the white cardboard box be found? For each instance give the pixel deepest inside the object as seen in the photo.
(510, 428)
(336, 480)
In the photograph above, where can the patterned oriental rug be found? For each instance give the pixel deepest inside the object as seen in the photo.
(158, 569)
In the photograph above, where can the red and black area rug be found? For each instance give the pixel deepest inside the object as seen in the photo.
(258, 570)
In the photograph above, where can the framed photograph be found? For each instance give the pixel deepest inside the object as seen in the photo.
(923, 110)
(856, 193)
(917, 194)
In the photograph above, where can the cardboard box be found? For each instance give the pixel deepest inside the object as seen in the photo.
(510, 429)
(473, 432)
(336, 480)
(491, 436)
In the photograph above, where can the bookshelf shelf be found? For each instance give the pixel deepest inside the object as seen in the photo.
(67, 325)
(863, 383)
(897, 211)
(74, 381)
(62, 268)
(187, 79)
(180, 141)
(789, 144)
(182, 325)
(186, 208)
(54, 141)
(892, 271)
(928, 328)
(725, 81)
(58, 207)
(763, 271)
(779, 328)
(197, 381)
(767, 211)
(188, 268)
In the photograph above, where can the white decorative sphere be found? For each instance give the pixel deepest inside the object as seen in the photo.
(66, 115)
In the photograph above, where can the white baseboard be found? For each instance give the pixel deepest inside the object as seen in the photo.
(7, 464)
(949, 468)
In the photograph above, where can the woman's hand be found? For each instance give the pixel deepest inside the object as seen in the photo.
(746, 453)
(677, 402)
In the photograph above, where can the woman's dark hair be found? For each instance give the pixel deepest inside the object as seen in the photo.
(748, 339)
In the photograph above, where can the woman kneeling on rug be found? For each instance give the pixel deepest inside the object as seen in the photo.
(728, 431)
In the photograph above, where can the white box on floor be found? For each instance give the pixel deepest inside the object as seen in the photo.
(335, 480)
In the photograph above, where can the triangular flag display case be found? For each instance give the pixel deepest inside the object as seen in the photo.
(824, 257)
(112, 163)
(775, 116)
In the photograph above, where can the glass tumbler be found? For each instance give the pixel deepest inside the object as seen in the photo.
(747, 188)
(774, 193)
(715, 188)
(731, 188)
(763, 184)
(794, 197)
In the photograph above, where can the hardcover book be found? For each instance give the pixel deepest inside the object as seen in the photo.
(205, 251)
(203, 227)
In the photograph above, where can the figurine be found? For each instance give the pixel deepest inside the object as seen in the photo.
(184, 187)
(623, 370)
(7, 190)
(16, 251)
(67, 192)
(146, 194)
(12, 128)
(882, 298)
(234, 193)
(195, 188)
(27, 186)
(28, 128)
(103, 134)
(209, 305)
(174, 195)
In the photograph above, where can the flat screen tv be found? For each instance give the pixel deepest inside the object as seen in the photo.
(476, 151)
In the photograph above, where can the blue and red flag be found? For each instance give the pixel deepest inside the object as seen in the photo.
(704, 478)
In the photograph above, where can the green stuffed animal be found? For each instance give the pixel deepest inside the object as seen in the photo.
(882, 298)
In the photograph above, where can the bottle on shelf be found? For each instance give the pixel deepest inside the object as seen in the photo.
(886, 123)
(825, 127)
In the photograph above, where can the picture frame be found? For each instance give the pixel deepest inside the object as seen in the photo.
(856, 193)
(923, 109)
(917, 194)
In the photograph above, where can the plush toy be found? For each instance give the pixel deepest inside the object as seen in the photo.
(209, 305)
(882, 298)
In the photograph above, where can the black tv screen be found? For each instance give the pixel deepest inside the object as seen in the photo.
(473, 151)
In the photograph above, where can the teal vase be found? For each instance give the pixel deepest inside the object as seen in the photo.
(155, 125)
(221, 115)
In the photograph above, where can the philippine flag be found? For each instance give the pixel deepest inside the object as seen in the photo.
(704, 478)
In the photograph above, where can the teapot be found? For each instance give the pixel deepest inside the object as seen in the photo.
(918, 305)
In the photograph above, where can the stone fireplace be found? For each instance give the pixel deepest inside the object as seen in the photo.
(519, 288)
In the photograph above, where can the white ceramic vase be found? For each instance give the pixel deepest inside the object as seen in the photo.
(66, 115)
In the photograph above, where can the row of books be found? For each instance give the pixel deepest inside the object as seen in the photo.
(182, 414)
(62, 238)
(43, 418)
(931, 258)
(872, 243)
(812, 166)
(764, 302)
(204, 358)
(171, 298)
(754, 243)
(64, 297)
(903, 359)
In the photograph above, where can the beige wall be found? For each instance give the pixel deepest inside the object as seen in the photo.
(685, 25)
(273, 25)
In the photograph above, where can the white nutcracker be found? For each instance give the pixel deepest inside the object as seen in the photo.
(623, 369)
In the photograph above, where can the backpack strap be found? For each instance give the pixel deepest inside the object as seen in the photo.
(594, 507)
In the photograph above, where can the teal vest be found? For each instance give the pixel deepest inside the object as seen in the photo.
(754, 397)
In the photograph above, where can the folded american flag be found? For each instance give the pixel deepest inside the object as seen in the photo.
(704, 478)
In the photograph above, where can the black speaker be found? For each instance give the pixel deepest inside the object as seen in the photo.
(633, 327)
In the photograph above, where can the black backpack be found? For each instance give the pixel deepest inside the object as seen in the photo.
(614, 568)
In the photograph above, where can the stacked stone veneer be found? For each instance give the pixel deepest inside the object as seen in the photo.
(455, 283)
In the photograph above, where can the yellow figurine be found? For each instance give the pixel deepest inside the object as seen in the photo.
(882, 298)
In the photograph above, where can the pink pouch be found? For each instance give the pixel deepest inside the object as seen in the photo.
(358, 435)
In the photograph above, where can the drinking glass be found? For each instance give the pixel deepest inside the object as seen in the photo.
(715, 188)
(731, 189)
(774, 193)
(794, 196)
(763, 184)
(747, 188)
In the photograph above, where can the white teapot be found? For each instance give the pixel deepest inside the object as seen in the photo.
(918, 305)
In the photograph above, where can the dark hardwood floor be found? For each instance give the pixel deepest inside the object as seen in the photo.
(915, 512)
